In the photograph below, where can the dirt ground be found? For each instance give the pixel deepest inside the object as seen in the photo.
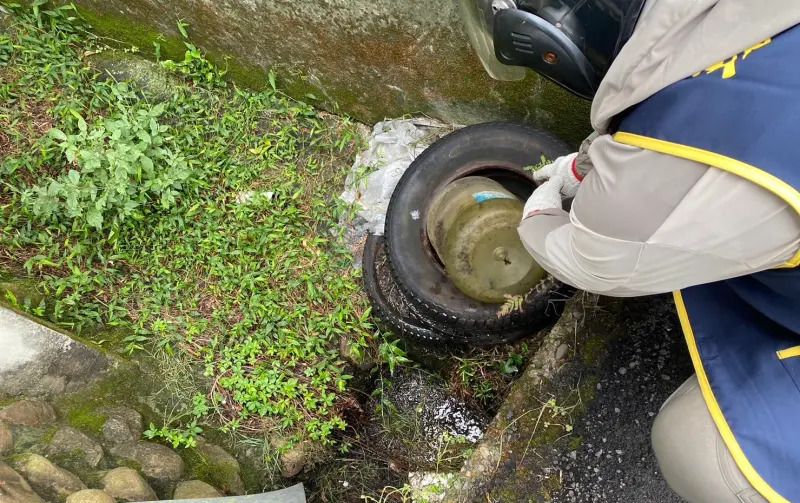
(615, 463)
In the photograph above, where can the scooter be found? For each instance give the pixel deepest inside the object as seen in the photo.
(450, 268)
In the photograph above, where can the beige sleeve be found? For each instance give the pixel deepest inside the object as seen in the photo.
(645, 223)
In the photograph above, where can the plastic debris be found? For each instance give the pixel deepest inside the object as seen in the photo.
(393, 145)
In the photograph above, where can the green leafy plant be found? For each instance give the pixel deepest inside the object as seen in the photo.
(486, 375)
(559, 415)
(185, 436)
(391, 353)
(119, 168)
(203, 222)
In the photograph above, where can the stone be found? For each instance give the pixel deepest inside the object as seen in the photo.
(429, 486)
(159, 464)
(6, 439)
(195, 489)
(125, 484)
(48, 480)
(91, 496)
(123, 425)
(214, 464)
(32, 413)
(143, 74)
(293, 461)
(40, 362)
(14, 488)
(561, 352)
(75, 448)
(360, 361)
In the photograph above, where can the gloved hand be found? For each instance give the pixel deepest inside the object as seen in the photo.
(563, 167)
(546, 196)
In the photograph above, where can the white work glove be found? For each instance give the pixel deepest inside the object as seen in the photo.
(545, 197)
(563, 167)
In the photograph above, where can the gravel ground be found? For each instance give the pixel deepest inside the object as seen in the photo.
(614, 462)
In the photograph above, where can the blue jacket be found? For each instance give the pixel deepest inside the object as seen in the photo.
(743, 116)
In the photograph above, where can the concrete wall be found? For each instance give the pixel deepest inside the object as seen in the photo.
(374, 58)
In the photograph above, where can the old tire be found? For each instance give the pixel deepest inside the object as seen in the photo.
(497, 150)
(389, 304)
(395, 312)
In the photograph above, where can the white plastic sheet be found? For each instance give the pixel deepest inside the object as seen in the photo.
(393, 145)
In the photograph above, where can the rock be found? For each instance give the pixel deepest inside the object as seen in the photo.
(75, 448)
(28, 413)
(361, 361)
(293, 461)
(429, 487)
(159, 464)
(47, 479)
(561, 352)
(125, 484)
(6, 439)
(122, 426)
(143, 74)
(194, 489)
(14, 489)
(91, 496)
(36, 361)
(213, 464)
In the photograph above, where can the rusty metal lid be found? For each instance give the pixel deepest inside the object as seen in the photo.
(472, 226)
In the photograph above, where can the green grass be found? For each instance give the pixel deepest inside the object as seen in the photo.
(206, 224)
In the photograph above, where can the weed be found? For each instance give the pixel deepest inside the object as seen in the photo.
(543, 161)
(391, 353)
(203, 222)
(187, 435)
(484, 376)
(400, 494)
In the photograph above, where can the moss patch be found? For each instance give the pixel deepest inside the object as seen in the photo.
(367, 68)
(32, 439)
(594, 349)
(126, 31)
(201, 467)
(84, 417)
(126, 386)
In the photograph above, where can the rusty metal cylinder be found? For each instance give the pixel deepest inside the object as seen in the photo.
(472, 227)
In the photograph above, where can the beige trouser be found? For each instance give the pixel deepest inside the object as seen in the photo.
(692, 455)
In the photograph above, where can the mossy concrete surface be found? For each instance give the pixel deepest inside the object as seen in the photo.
(37, 361)
(513, 461)
(368, 58)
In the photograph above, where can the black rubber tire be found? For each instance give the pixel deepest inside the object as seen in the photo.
(487, 149)
(396, 313)
(389, 304)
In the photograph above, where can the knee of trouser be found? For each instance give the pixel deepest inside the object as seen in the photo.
(690, 453)
(670, 424)
(661, 434)
(683, 439)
